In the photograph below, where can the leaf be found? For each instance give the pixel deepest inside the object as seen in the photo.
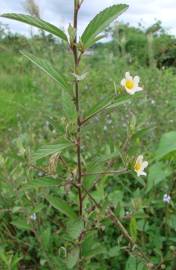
(41, 24)
(100, 22)
(98, 107)
(93, 41)
(116, 197)
(43, 182)
(172, 222)
(99, 249)
(120, 101)
(106, 104)
(74, 228)
(133, 228)
(48, 68)
(68, 106)
(62, 206)
(3, 257)
(48, 150)
(114, 252)
(72, 258)
(80, 77)
(133, 263)
(158, 172)
(167, 145)
(21, 224)
(91, 247)
(45, 236)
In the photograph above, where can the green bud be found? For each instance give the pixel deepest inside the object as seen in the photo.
(72, 34)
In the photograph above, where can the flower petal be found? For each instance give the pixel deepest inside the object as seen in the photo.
(136, 79)
(128, 76)
(145, 164)
(130, 92)
(138, 89)
(123, 82)
(141, 172)
(139, 159)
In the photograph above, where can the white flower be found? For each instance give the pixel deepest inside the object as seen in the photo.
(166, 198)
(140, 165)
(131, 84)
(33, 216)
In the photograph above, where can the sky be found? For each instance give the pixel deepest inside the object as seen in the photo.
(59, 12)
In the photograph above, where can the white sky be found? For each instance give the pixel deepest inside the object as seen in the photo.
(59, 12)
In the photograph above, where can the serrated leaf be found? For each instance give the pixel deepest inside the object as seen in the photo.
(48, 150)
(62, 206)
(43, 182)
(100, 22)
(74, 228)
(72, 258)
(167, 145)
(21, 224)
(133, 228)
(33, 21)
(49, 69)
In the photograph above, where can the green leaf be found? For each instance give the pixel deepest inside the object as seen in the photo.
(91, 247)
(93, 41)
(116, 197)
(106, 104)
(120, 101)
(100, 22)
(133, 263)
(48, 68)
(43, 182)
(68, 106)
(62, 206)
(72, 258)
(158, 172)
(74, 228)
(3, 257)
(93, 252)
(133, 228)
(45, 237)
(114, 252)
(167, 145)
(172, 221)
(21, 224)
(33, 21)
(48, 150)
(98, 107)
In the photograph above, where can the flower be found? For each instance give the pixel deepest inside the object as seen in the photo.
(140, 165)
(131, 84)
(166, 198)
(33, 216)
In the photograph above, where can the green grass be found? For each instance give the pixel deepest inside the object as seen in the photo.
(31, 115)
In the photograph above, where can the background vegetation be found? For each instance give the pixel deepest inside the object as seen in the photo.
(32, 233)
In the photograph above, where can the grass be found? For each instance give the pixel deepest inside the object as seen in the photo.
(31, 115)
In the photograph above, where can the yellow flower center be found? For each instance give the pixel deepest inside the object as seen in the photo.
(129, 84)
(137, 166)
